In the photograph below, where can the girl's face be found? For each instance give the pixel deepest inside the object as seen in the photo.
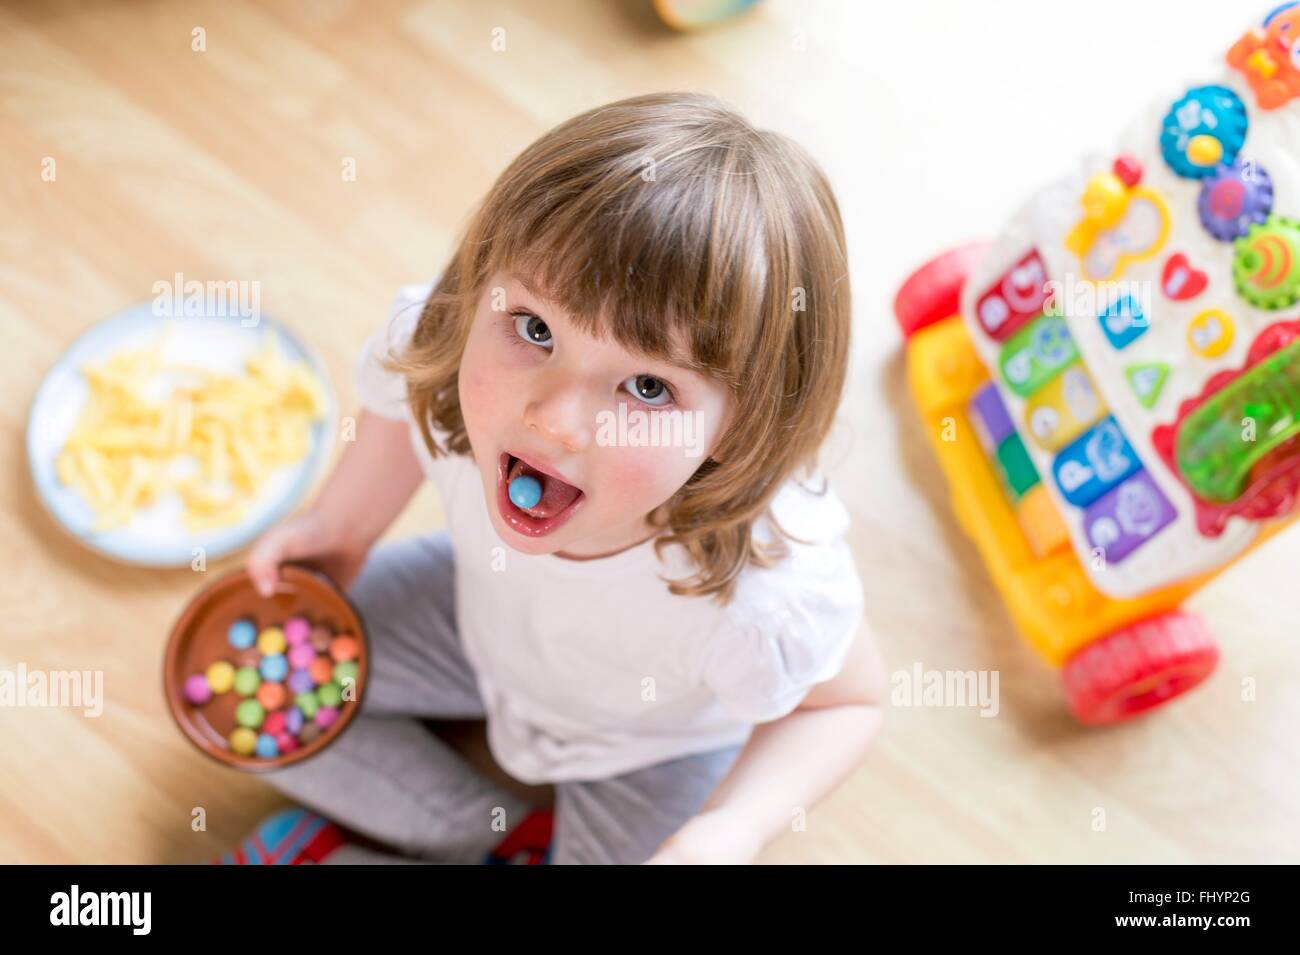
(605, 434)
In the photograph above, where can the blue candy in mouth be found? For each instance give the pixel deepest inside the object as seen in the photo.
(525, 491)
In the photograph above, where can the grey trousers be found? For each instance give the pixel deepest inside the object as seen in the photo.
(391, 779)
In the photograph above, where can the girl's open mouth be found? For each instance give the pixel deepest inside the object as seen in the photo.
(558, 503)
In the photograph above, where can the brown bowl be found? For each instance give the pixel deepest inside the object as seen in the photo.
(199, 639)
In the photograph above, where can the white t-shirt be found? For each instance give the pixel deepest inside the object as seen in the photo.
(589, 669)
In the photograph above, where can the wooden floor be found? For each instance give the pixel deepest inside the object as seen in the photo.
(933, 121)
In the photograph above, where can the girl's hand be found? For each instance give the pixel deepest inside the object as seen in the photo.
(311, 539)
(711, 838)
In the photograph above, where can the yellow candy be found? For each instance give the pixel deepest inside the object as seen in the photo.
(221, 677)
(243, 741)
(271, 641)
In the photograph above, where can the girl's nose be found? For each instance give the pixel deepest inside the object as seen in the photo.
(559, 415)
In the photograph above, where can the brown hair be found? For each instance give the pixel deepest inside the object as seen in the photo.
(660, 214)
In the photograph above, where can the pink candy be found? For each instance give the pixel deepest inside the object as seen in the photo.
(197, 690)
(300, 656)
(297, 631)
(326, 716)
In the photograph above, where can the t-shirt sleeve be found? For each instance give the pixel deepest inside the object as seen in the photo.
(378, 389)
(793, 628)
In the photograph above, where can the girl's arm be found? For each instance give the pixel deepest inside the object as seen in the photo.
(374, 479)
(787, 766)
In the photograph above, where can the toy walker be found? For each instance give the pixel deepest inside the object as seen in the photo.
(1113, 385)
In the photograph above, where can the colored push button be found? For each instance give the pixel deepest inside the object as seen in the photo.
(1091, 465)
(989, 417)
(1233, 199)
(1036, 353)
(1017, 467)
(1124, 321)
(1041, 522)
(1060, 411)
(1266, 263)
(1210, 333)
(1013, 299)
(1203, 130)
(1147, 381)
(1127, 516)
(1222, 439)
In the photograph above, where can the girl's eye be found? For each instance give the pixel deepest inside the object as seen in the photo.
(532, 329)
(653, 391)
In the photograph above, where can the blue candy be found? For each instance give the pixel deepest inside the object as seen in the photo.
(274, 668)
(525, 491)
(242, 634)
(267, 747)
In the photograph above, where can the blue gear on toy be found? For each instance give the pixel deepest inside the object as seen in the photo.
(1203, 130)
(525, 491)
(1234, 198)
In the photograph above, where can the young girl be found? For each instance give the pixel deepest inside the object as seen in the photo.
(618, 385)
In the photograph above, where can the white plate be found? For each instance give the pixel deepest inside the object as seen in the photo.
(156, 536)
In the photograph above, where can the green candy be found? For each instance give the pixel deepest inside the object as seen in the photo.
(331, 694)
(308, 703)
(347, 670)
(250, 713)
(247, 680)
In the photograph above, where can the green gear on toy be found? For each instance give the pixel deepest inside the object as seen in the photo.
(1266, 263)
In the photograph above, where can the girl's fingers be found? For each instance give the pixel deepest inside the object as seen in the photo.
(264, 561)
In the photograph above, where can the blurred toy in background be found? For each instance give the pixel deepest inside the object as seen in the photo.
(1269, 56)
(688, 15)
(1126, 357)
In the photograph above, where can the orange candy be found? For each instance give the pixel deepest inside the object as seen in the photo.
(271, 695)
(344, 648)
(321, 670)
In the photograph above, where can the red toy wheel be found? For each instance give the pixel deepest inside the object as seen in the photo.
(1139, 667)
(933, 292)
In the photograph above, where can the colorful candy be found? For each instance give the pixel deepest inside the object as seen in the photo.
(247, 681)
(300, 681)
(271, 641)
(221, 677)
(242, 634)
(320, 639)
(344, 672)
(243, 741)
(275, 668)
(197, 690)
(272, 696)
(250, 713)
(321, 670)
(297, 631)
(330, 694)
(344, 648)
(292, 679)
(308, 703)
(300, 657)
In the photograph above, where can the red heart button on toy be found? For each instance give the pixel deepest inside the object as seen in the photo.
(1180, 281)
